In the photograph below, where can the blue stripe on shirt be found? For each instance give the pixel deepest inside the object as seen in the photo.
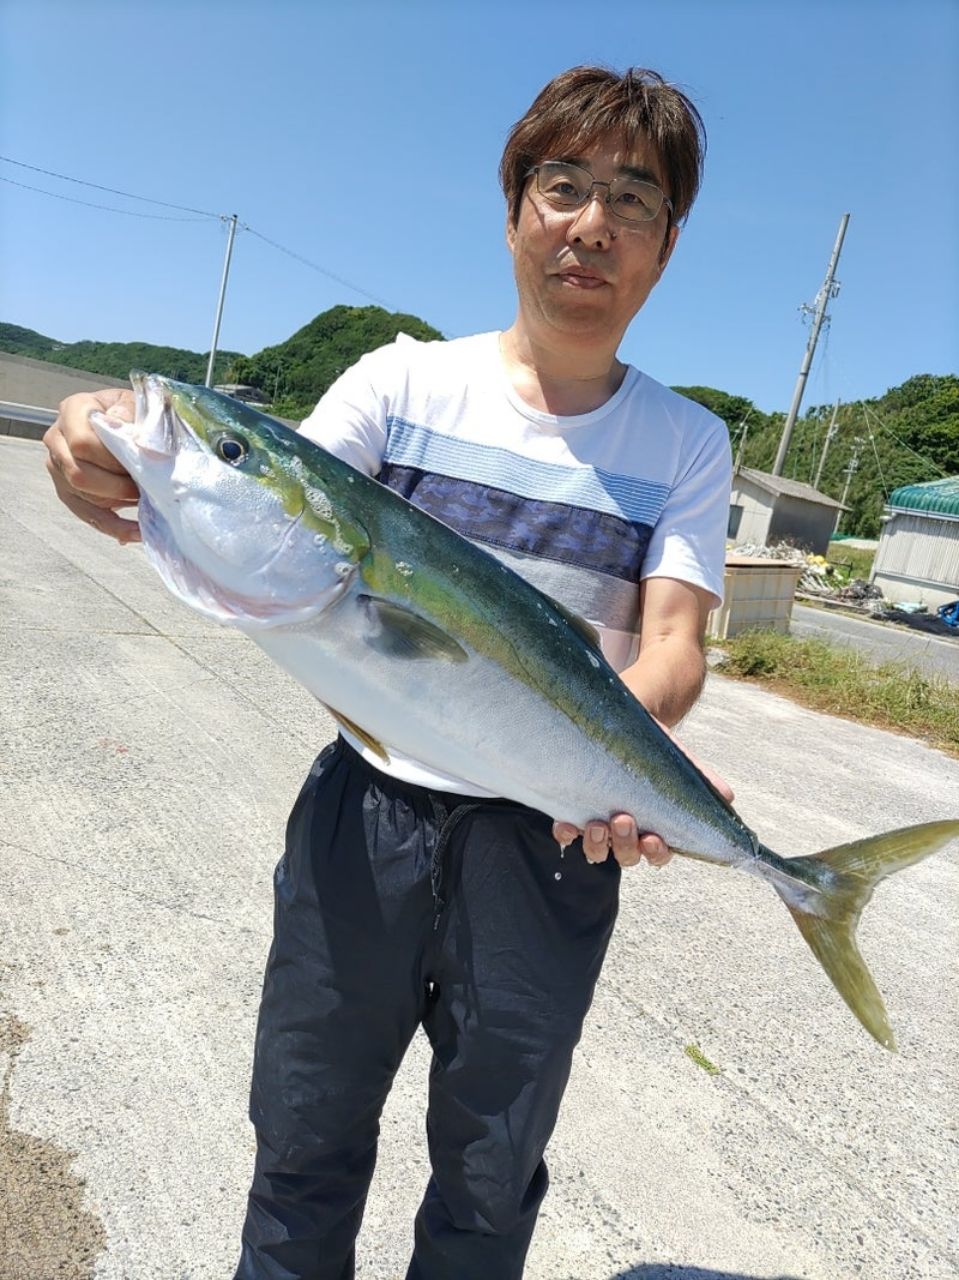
(412, 445)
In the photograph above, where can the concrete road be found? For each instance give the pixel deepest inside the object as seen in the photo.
(880, 641)
(147, 763)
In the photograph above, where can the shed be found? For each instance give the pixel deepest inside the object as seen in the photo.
(917, 560)
(767, 509)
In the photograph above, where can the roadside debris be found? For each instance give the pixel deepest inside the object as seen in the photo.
(825, 580)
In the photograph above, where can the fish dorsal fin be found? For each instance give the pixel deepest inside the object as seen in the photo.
(407, 635)
(367, 739)
(580, 625)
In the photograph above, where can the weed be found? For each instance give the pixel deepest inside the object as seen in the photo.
(694, 1052)
(840, 681)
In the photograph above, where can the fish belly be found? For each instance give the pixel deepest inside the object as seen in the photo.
(474, 721)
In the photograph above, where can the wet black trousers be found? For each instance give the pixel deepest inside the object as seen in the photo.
(395, 907)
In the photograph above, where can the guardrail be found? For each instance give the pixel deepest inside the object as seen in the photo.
(29, 421)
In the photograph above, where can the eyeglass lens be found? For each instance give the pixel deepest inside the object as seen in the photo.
(567, 186)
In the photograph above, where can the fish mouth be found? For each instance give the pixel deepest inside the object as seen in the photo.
(156, 433)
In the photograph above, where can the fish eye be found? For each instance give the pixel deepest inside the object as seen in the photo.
(232, 449)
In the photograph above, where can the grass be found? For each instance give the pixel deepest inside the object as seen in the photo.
(855, 561)
(841, 682)
(694, 1052)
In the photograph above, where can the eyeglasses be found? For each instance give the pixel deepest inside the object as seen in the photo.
(569, 186)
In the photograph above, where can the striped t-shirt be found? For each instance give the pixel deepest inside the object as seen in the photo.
(583, 507)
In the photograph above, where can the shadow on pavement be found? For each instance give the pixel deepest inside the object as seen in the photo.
(676, 1271)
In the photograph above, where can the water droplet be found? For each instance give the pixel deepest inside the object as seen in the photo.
(342, 568)
(593, 659)
(319, 539)
(557, 875)
(403, 568)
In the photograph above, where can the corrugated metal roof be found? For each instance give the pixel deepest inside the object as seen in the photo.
(792, 488)
(935, 495)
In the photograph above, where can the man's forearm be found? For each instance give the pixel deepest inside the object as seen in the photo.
(667, 677)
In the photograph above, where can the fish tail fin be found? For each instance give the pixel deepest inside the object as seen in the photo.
(844, 879)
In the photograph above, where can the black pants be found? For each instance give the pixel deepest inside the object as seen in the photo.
(395, 907)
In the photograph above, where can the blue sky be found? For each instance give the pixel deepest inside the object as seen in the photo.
(366, 136)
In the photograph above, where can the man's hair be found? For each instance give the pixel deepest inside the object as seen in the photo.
(582, 105)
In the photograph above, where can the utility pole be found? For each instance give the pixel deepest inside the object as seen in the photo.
(829, 290)
(851, 468)
(742, 441)
(219, 305)
(831, 431)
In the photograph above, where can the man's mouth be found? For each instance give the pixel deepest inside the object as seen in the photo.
(582, 278)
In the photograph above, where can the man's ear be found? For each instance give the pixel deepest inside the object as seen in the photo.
(669, 244)
(510, 231)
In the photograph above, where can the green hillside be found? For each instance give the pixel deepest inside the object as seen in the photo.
(114, 359)
(294, 374)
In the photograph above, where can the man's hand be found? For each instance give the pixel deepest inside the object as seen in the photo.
(621, 834)
(87, 477)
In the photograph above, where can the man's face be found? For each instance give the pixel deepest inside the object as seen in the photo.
(584, 271)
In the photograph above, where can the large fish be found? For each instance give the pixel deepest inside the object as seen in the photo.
(422, 642)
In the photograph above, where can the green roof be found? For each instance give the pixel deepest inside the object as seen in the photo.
(940, 496)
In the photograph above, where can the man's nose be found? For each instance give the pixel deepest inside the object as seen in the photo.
(593, 222)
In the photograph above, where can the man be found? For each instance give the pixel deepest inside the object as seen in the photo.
(410, 898)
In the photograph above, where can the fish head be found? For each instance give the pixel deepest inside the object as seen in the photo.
(236, 511)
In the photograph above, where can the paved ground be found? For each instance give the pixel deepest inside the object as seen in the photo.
(147, 761)
(882, 642)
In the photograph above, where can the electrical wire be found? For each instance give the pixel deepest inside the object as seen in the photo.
(322, 270)
(922, 458)
(205, 213)
(130, 213)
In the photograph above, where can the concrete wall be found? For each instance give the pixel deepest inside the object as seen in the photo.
(34, 382)
(756, 511)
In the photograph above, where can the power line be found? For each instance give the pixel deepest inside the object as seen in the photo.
(922, 458)
(205, 213)
(130, 213)
(202, 213)
(322, 270)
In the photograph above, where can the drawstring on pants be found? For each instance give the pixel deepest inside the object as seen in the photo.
(446, 821)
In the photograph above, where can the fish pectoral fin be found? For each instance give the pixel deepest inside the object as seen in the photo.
(367, 739)
(406, 635)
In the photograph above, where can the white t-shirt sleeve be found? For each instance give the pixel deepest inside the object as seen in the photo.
(689, 539)
(350, 419)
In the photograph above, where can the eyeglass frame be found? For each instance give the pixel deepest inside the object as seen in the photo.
(607, 200)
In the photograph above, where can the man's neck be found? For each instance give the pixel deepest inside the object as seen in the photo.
(566, 379)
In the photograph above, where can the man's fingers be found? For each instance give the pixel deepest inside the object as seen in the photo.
(565, 833)
(86, 479)
(656, 852)
(99, 517)
(596, 842)
(625, 840)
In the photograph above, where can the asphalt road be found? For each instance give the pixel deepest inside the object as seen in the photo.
(880, 641)
(147, 762)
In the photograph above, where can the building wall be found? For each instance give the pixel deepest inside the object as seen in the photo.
(755, 511)
(918, 558)
(806, 524)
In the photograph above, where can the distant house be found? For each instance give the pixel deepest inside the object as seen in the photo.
(917, 559)
(240, 391)
(766, 509)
